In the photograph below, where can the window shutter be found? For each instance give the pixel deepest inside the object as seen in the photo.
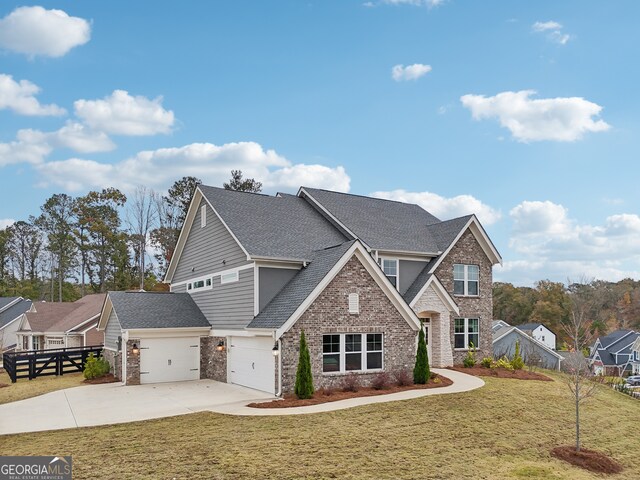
(354, 303)
(203, 216)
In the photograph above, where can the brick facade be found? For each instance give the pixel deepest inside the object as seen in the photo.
(468, 251)
(329, 313)
(115, 361)
(213, 363)
(133, 363)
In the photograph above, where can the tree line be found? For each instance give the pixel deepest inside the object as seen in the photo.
(609, 306)
(100, 241)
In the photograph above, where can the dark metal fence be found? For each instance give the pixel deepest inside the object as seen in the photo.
(42, 363)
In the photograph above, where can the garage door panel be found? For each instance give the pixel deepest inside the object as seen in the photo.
(251, 363)
(169, 359)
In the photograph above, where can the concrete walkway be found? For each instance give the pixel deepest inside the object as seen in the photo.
(113, 403)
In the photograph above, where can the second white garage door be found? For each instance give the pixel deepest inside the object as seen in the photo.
(169, 359)
(251, 363)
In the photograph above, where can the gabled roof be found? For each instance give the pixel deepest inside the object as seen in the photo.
(529, 326)
(88, 308)
(504, 331)
(609, 340)
(153, 310)
(13, 310)
(6, 301)
(47, 314)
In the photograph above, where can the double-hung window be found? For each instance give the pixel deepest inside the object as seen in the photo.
(351, 352)
(466, 332)
(390, 269)
(466, 279)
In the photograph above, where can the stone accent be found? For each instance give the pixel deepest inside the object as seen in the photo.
(115, 361)
(329, 313)
(429, 305)
(468, 251)
(133, 364)
(213, 363)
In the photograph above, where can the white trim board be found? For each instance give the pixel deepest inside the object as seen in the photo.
(442, 293)
(215, 274)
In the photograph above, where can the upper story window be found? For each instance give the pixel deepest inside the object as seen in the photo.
(466, 279)
(199, 285)
(390, 269)
(229, 277)
(203, 216)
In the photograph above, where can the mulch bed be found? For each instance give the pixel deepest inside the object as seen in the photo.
(2, 385)
(591, 460)
(109, 378)
(325, 396)
(480, 371)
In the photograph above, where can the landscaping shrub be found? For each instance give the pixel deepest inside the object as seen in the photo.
(402, 378)
(486, 362)
(517, 362)
(503, 362)
(95, 367)
(470, 360)
(421, 371)
(326, 391)
(381, 381)
(351, 383)
(304, 379)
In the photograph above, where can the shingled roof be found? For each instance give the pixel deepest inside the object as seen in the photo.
(156, 310)
(11, 312)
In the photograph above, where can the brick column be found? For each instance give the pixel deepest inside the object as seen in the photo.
(133, 363)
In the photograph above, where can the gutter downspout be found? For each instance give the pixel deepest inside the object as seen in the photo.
(279, 392)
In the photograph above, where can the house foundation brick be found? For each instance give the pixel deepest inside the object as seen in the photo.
(329, 313)
(213, 363)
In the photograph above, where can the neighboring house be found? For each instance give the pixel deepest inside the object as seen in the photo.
(540, 333)
(532, 350)
(572, 361)
(635, 357)
(51, 325)
(614, 354)
(11, 309)
(359, 275)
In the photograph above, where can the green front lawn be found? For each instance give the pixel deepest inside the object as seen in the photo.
(502, 431)
(25, 388)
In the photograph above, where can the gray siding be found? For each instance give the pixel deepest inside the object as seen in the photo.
(206, 248)
(271, 281)
(507, 346)
(229, 305)
(112, 331)
(409, 271)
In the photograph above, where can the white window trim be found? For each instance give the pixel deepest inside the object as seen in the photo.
(195, 289)
(354, 303)
(363, 354)
(231, 277)
(213, 274)
(466, 280)
(381, 260)
(466, 333)
(203, 216)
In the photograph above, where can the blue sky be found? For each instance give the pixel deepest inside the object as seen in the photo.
(522, 112)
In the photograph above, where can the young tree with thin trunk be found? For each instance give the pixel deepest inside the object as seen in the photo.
(141, 216)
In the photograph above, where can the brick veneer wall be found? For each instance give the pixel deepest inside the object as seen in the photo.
(329, 313)
(213, 364)
(468, 251)
(115, 362)
(133, 364)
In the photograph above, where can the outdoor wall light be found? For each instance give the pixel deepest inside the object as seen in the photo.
(275, 350)
(135, 350)
(220, 346)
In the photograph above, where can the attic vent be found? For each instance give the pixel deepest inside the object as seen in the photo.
(354, 303)
(203, 216)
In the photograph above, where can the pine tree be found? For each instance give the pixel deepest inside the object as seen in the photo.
(304, 379)
(421, 373)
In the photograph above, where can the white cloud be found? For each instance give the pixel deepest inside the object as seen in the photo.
(212, 163)
(27, 148)
(80, 138)
(417, 3)
(553, 31)
(20, 97)
(562, 119)
(123, 114)
(445, 208)
(37, 31)
(6, 222)
(401, 73)
(548, 240)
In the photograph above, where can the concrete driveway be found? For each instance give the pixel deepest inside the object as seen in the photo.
(114, 403)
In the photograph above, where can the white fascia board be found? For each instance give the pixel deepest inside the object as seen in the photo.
(10, 304)
(84, 322)
(167, 332)
(440, 291)
(88, 328)
(214, 274)
(105, 313)
(529, 338)
(359, 250)
(511, 329)
(12, 321)
(408, 255)
(186, 229)
(272, 262)
(481, 236)
(253, 332)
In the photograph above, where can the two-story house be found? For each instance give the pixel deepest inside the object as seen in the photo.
(359, 275)
(614, 354)
(540, 332)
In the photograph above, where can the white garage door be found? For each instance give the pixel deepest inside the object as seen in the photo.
(251, 363)
(169, 359)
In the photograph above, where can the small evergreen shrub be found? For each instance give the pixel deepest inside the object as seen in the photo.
(304, 379)
(503, 362)
(517, 362)
(486, 362)
(402, 378)
(421, 371)
(95, 367)
(470, 360)
(381, 381)
(351, 383)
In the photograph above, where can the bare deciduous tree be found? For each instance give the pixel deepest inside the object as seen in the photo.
(141, 217)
